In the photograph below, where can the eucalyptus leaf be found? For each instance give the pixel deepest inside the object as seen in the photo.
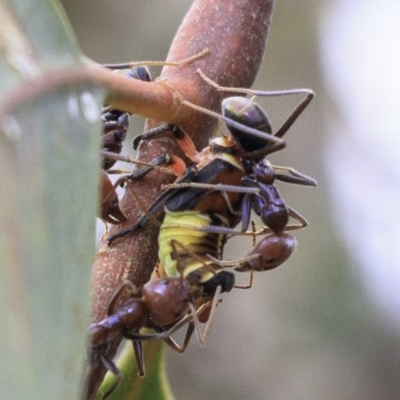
(49, 162)
(153, 385)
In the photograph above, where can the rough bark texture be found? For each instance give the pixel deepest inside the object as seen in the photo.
(235, 32)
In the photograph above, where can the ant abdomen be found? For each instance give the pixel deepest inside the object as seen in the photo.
(249, 113)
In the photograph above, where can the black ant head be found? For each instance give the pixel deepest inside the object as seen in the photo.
(248, 113)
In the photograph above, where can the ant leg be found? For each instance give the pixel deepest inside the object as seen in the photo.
(294, 115)
(174, 244)
(188, 175)
(181, 137)
(189, 332)
(152, 133)
(211, 186)
(298, 217)
(188, 335)
(246, 212)
(161, 334)
(249, 285)
(278, 145)
(253, 229)
(152, 164)
(138, 349)
(116, 216)
(163, 159)
(234, 263)
(172, 164)
(175, 346)
(110, 366)
(201, 337)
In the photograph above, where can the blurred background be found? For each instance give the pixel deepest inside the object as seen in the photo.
(326, 325)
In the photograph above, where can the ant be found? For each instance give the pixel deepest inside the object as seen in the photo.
(115, 127)
(232, 166)
(165, 305)
(271, 252)
(116, 122)
(197, 223)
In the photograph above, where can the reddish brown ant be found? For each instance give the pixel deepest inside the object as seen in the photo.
(164, 304)
(115, 127)
(116, 122)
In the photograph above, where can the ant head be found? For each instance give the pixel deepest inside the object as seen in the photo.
(248, 113)
(264, 172)
(167, 299)
(272, 251)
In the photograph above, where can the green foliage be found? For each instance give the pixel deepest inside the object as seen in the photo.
(132, 387)
(48, 201)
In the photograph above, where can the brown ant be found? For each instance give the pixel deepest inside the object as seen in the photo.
(164, 305)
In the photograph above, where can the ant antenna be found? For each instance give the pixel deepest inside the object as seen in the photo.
(228, 121)
(255, 93)
(158, 63)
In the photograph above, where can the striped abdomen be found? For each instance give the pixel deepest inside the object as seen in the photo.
(180, 240)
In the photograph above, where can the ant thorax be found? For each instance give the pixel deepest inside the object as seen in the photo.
(222, 147)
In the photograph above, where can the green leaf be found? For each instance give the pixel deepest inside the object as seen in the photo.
(132, 387)
(49, 162)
